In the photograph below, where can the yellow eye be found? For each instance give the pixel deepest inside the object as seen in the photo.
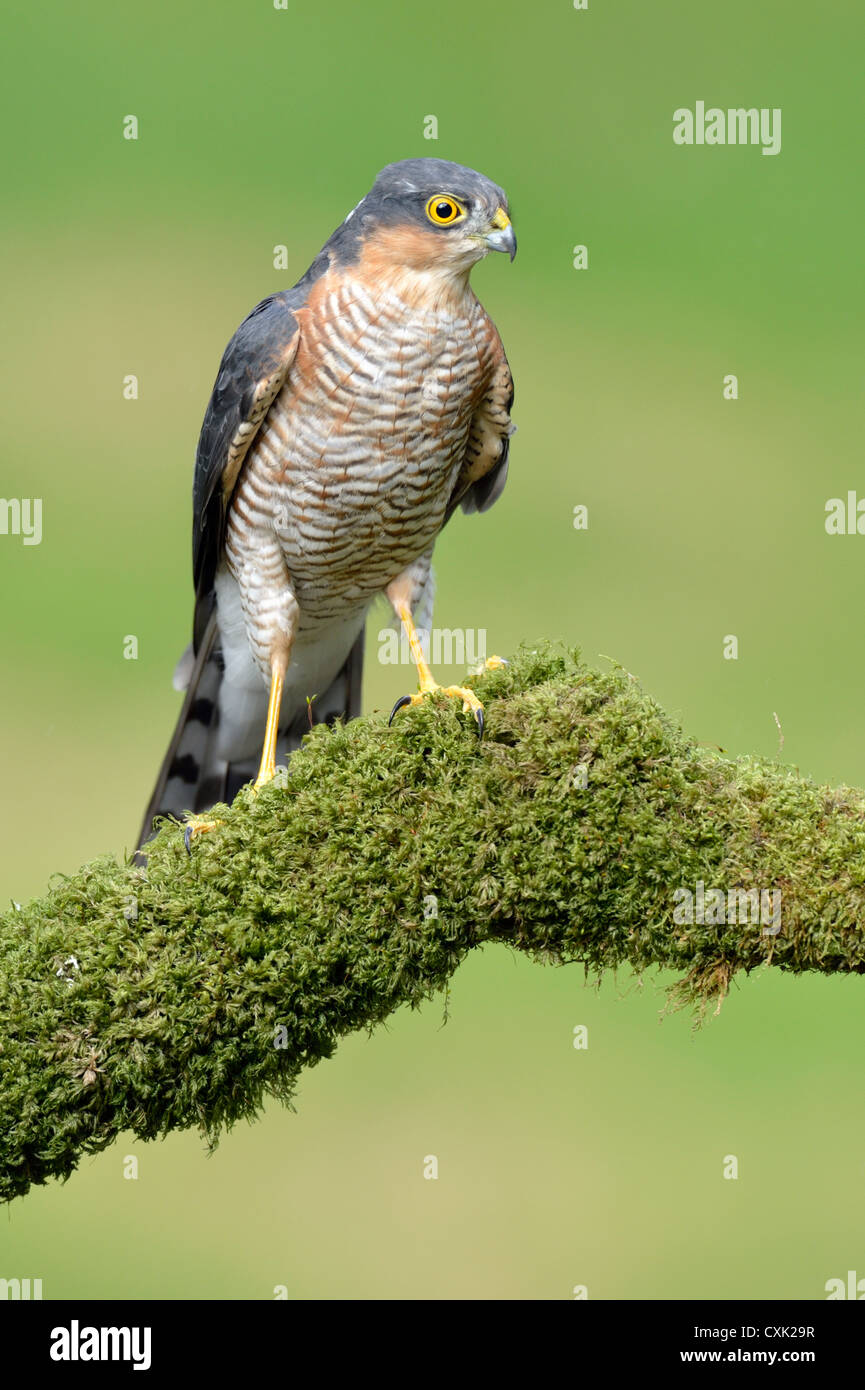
(443, 209)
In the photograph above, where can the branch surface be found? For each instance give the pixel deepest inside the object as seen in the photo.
(181, 995)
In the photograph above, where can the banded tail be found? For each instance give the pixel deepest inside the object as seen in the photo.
(192, 777)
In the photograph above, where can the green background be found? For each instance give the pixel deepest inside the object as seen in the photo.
(706, 518)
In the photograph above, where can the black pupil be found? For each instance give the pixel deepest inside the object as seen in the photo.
(444, 211)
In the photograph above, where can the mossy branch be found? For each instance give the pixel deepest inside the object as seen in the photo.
(181, 996)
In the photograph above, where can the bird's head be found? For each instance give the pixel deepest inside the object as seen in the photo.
(429, 216)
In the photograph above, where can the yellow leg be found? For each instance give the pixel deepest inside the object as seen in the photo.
(424, 674)
(267, 770)
(426, 683)
(199, 825)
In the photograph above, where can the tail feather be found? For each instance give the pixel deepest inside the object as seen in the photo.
(178, 778)
(192, 777)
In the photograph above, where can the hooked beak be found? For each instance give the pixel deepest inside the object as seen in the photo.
(501, 236)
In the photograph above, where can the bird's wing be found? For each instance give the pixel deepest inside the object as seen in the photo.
(253, 369)
(482, 477)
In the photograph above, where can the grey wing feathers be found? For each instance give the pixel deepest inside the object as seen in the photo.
(253, 369)
(487, 490)
(481, 480)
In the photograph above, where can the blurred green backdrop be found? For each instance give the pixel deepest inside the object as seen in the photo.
(706, 518)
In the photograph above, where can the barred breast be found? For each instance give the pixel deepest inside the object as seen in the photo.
(356, 461)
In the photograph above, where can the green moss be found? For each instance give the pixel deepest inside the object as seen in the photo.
(307, 914)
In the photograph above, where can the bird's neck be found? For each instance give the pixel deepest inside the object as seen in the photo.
(429, 289)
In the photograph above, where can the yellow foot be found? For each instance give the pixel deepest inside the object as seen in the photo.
(492, 663)
(459, 692)
(198, 825)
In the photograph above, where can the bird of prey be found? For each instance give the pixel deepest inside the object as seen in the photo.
(351, 416)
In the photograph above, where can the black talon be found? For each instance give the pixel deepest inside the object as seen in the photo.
(403, 700)
(187, 840)
(479, 716)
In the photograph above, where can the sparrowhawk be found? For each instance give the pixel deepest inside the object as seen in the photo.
(351, 416)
